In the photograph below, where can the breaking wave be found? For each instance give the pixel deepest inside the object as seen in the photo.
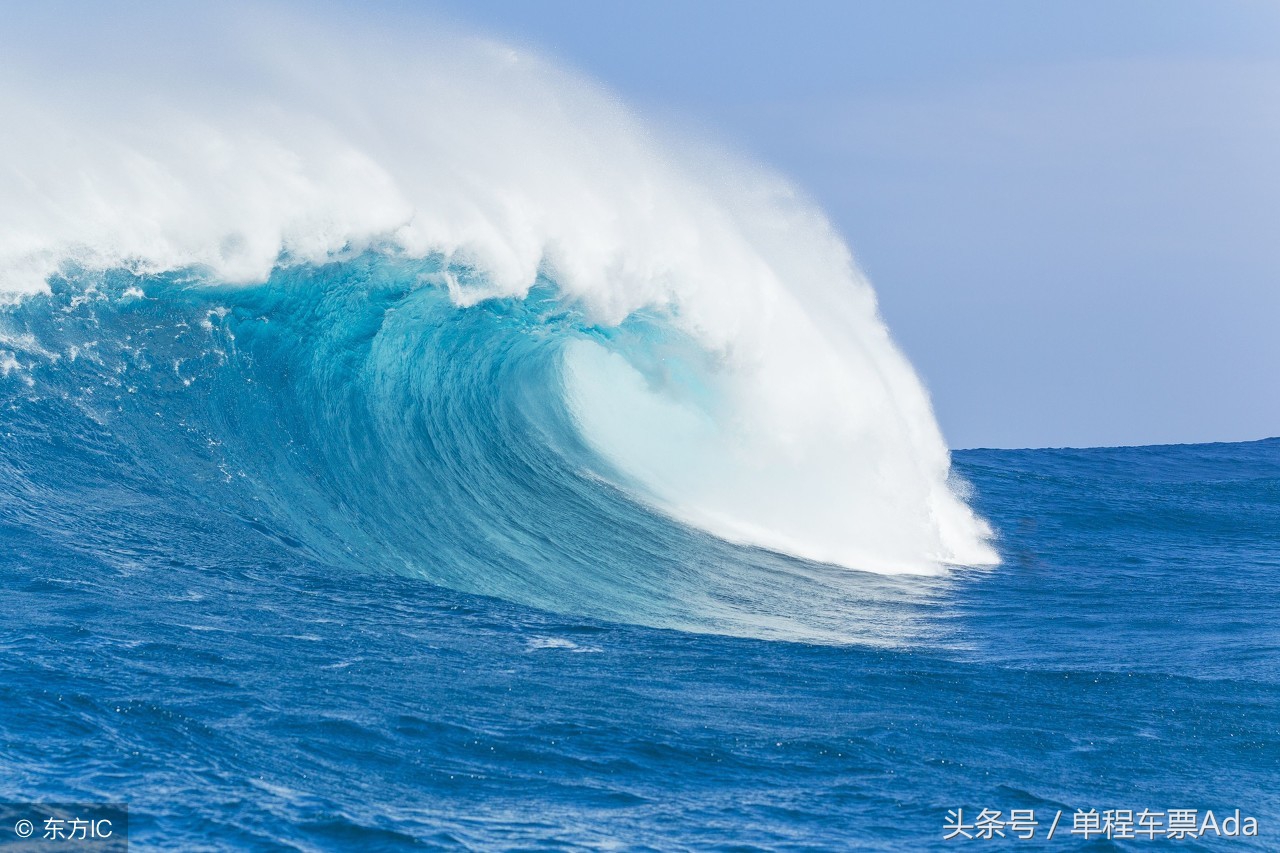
(430, 302)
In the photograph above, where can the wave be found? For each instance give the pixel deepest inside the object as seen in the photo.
(443, 302)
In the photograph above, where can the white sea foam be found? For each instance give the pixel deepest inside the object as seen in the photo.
(312, 141)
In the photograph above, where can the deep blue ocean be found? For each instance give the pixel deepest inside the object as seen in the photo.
(321, 565)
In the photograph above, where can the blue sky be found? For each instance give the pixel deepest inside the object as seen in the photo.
(1070, 211)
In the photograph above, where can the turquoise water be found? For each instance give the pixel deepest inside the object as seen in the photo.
(323, 564)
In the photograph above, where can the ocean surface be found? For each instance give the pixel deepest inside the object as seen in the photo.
(326, 564)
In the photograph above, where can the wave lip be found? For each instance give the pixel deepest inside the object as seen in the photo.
(730, 367)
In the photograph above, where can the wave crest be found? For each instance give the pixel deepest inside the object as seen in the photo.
(729, 366)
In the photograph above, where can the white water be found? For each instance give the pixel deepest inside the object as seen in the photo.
(270, 135)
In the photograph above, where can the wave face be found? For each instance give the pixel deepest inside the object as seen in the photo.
(433, 304)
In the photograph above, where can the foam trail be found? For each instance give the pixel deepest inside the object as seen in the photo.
(739, 377)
